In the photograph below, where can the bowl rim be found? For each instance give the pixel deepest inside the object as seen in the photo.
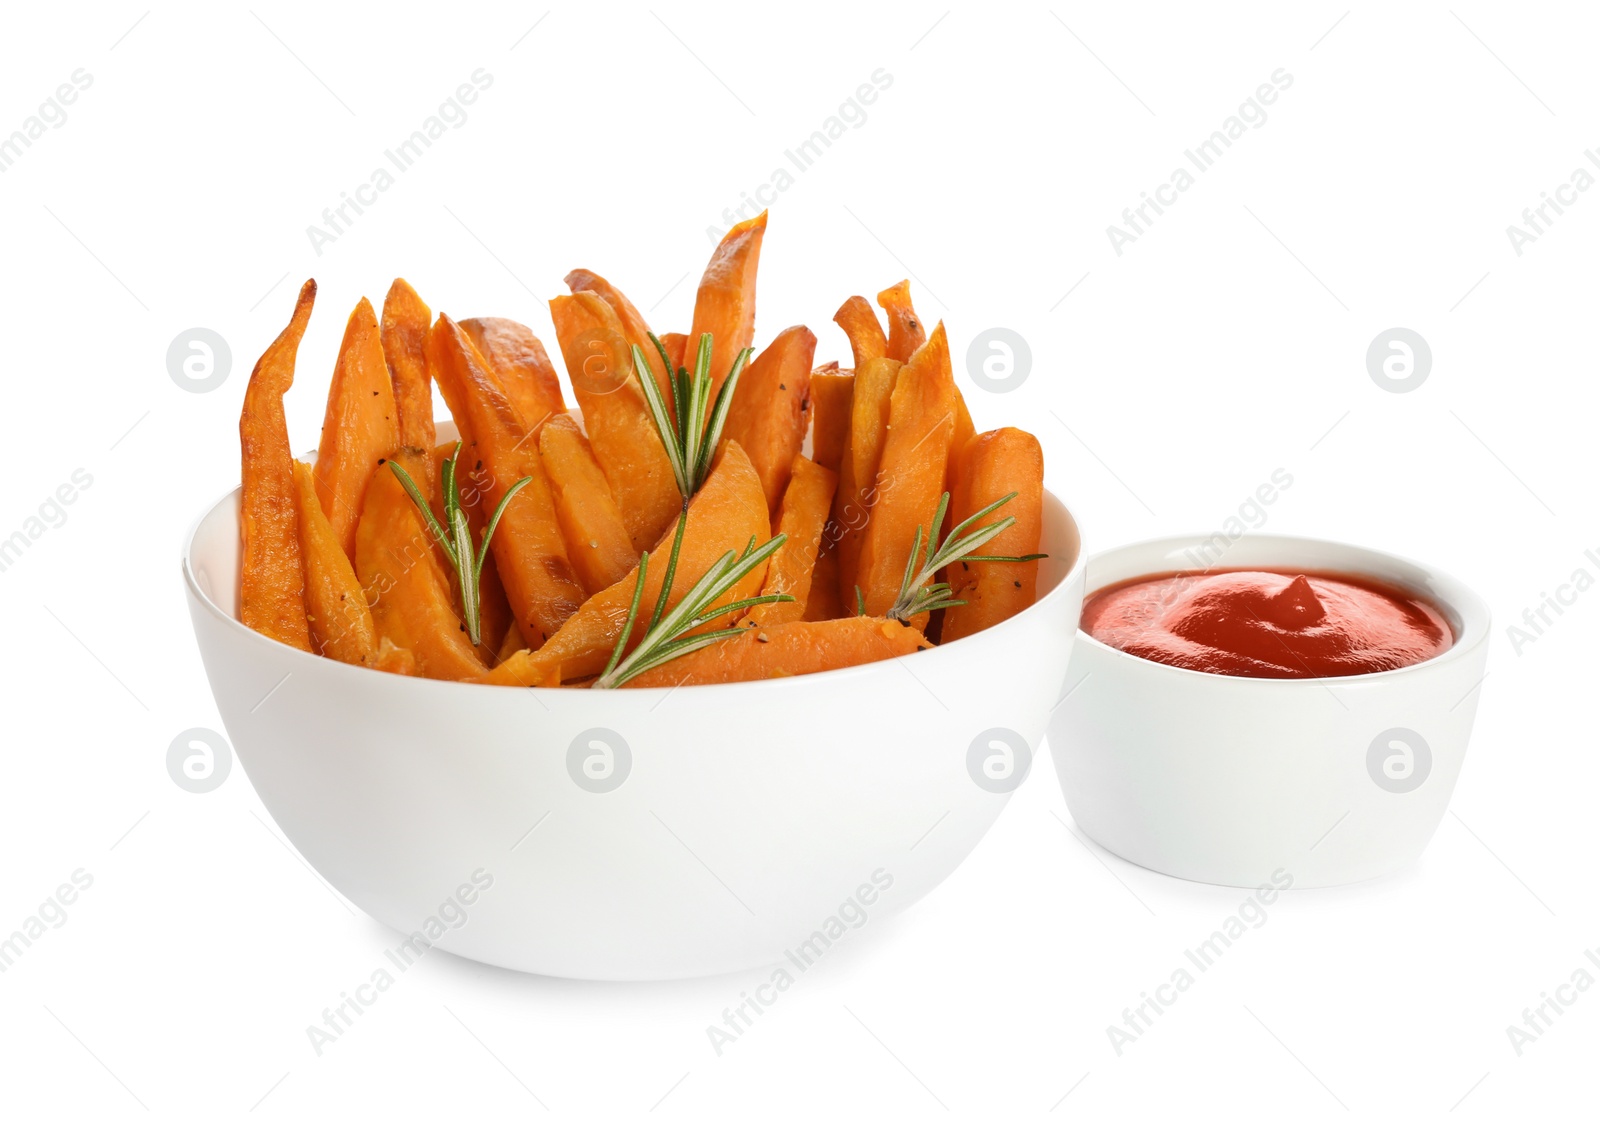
(1455, 594)
(334, 666)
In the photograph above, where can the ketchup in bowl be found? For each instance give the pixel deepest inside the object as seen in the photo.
(1267, 624)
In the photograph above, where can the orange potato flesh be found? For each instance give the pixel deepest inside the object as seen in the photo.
(993, 465)
(336, 608)
(725, 306)
(634, 328)
(831, 393)
(768, 413)
(860, 324)
(858, 474)
(529, 552)
(494, 610)
(597, 539)
(824, 601)
(404, 332)
(726, 513)
(799, 647)
(413, 605)
(517, 361)
(911, 472)
(360, 427)
(674, 342)
(272, 577)
(618, 421)
(803, 515)
(905, 330)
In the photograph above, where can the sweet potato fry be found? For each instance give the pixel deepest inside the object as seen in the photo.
(799, 647)
(994, 464)
(529, 552)
(768, 414)
(804, 513)
(405, 330)
(413, 606)
(336, 608)
(360, 427)
(634, 328)
(272, 577)
(597, 539)
(860, 323)
(517, 360)
(905, 330)
(831, 391)
(726, 513)
(623, 436)
(725, 306)
(824, 601)
(911, 471)
(472, 487)
(858, 474)
(675, 342)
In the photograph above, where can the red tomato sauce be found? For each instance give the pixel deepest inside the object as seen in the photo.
(1267, 624)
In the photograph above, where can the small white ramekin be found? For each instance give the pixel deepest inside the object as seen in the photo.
(1228, 780)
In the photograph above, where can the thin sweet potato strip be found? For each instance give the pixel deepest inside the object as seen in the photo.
(271, 577)
(727, 512)
(799, 647)
(529, 552)
(404, 333)
(911, 472)
(618, 422)
(597, 539)
(360, 426)
(413, 605)
(725, 306)
(802, 517)
(675, 342)
(634, 327)
(858, 475)
(995, 464)
(860, 324)
(520, 365)
(831, 393)
(768, 414)
(336, 608)
(824, 601)
(905, 329)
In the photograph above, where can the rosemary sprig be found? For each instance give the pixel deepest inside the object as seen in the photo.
(692, 428)
(665, 638)
(916, 595)
(455, 537)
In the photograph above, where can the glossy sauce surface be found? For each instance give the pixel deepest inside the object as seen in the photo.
(1268, 624)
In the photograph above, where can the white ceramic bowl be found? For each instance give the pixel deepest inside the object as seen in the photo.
(1227, 780)
(746, 824)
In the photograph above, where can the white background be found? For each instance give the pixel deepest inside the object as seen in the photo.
(1225, 343)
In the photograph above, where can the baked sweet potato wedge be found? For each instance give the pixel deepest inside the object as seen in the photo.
(831, 393)
(725, 305)
(727, 512)
(674, 342)
(413, 604)
(859, 489)
(360, 427)
(472, 489)
(634, 327)
(597, 539)
(336, 607)
(272, 577)
(905, 329)
(860, 324)
(993, 465)
(404, 334)
(799, 647)
(802, 516)
(618, 421)
(529, 551)
(824, 601)
(518, 362)
(768, 415)
(911, 472)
